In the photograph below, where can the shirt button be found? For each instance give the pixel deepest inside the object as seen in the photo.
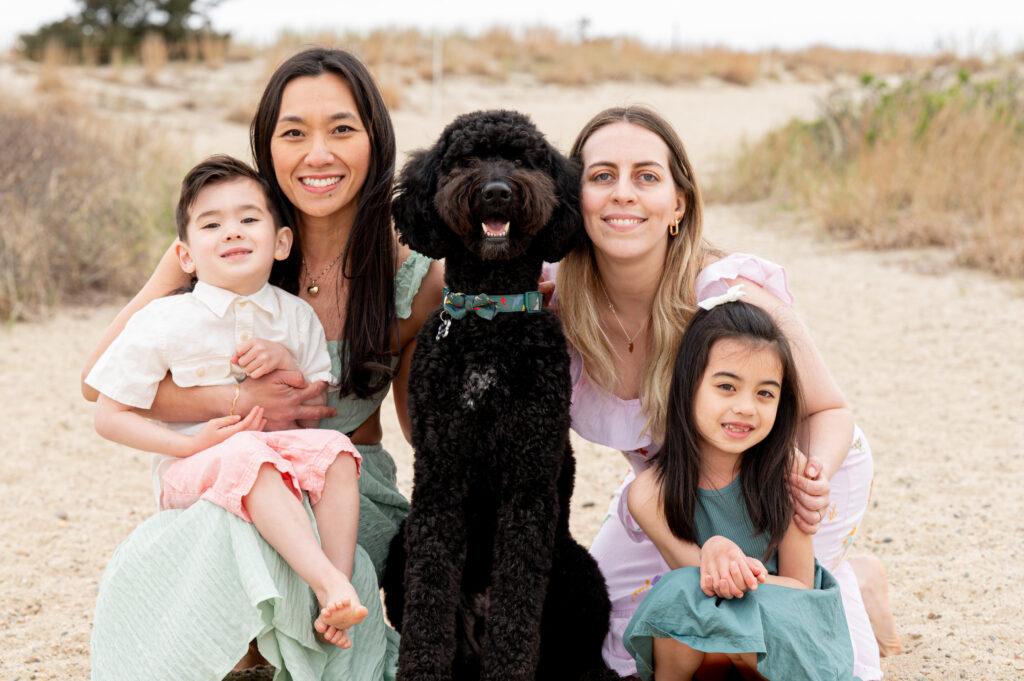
(201, 372)
(243, 303)
(244, 336)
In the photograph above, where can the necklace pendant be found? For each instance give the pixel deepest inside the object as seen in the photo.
(314, 289)
(631, 346)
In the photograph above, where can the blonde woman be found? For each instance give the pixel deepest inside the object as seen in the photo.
(626, 295)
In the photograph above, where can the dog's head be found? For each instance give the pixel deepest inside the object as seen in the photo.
(491, 184)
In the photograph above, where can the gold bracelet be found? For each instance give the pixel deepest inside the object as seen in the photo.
(238, 391)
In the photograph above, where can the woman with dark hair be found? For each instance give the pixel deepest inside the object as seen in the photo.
(626, 295)
(185, 594)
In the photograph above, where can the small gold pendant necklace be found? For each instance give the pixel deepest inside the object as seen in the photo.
(629, 339)
(313, 289)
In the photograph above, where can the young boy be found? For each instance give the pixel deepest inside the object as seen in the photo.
(233, 325)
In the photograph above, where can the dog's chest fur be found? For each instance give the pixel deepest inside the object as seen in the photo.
(477, 382)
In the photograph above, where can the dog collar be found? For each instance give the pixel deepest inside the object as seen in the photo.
(488, 305)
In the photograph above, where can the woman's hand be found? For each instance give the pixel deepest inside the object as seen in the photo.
(810, 495)
(727, 572)
(286, 398)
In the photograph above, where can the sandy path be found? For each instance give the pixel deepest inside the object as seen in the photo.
(928, 356)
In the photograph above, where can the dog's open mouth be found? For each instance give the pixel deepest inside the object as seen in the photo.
(495, 228)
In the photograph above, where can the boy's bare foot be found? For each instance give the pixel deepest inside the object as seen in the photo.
(342, 614)
(333, 635)
(874, 590)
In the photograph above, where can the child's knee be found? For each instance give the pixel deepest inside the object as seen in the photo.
(344, 468)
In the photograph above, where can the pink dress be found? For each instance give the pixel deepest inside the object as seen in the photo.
(629, 560)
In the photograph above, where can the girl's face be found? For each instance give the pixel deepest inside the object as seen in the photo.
(738, 396)
(628, 196)
(320, 148)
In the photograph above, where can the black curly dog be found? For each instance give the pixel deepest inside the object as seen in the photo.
(494, 586)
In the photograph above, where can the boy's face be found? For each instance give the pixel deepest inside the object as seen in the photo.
(232, 240)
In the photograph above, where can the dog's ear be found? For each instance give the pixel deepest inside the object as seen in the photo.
(416, 219)
(565, 228)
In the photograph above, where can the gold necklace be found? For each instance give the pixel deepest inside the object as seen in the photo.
(313, 289)
(629, 339)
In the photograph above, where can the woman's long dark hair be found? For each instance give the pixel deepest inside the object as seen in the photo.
(369, 256)
(765, 467)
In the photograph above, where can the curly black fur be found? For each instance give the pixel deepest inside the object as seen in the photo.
(494, 586)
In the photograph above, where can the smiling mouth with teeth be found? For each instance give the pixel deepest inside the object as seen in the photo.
(320, 181)
(495, 229)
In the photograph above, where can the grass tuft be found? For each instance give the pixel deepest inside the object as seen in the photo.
(87, 213)
(935, 161)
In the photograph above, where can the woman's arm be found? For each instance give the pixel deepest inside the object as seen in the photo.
(426, 300)
(827, 429)
(796, 560)
(167, 277)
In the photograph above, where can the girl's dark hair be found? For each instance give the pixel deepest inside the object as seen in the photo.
(370, 254)
(764, 468)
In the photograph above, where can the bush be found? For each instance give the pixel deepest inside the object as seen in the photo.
(87, 208)
(937, 161)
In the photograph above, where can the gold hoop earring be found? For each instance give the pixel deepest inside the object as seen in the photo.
(673, 229)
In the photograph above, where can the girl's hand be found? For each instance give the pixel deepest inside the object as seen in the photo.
(219, 429)
(810, 495)
(286, 398)
(258, 357)
(726, 572)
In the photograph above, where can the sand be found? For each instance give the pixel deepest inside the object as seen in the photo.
(928, 355)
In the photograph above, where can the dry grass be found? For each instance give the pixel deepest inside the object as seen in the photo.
(927, 163)
(153, 57)
(55, 58)
(551, 58)
(87, 212)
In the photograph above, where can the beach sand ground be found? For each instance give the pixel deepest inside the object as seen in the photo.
(928, 355)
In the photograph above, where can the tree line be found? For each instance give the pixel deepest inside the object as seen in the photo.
(107, 27)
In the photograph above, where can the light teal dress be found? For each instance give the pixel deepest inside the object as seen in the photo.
(798, 635)
(187, 591)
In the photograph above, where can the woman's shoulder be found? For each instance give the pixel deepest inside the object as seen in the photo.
(416, 273)
(720, 271)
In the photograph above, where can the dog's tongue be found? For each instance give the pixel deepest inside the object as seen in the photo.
(495, 226)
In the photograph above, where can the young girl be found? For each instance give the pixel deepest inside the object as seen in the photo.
(231, 326)
(719, 482)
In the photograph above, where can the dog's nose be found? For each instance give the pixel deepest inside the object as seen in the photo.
(497, 193)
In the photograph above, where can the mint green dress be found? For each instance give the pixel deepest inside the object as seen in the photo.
(187, 591)
(798, 634)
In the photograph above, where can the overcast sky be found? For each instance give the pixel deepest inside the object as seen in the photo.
(975, 26)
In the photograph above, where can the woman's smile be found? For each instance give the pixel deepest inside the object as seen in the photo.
(320, 148)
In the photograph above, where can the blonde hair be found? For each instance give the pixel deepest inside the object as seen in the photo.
(580, 292)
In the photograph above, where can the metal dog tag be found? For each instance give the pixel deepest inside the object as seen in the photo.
(442, 329)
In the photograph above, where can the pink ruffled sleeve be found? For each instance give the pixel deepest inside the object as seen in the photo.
(714, 279)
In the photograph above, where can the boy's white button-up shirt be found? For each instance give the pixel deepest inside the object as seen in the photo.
(194, 336)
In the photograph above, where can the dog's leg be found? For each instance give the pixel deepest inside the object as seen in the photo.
(435, 544)
(523, 547)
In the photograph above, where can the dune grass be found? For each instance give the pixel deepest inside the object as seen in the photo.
(87, 207)
(555, 58)
(935, 161)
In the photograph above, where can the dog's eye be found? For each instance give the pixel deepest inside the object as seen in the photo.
(518, 163)
(468, 162)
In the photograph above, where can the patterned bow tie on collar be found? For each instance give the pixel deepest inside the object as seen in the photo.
(488, 305)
